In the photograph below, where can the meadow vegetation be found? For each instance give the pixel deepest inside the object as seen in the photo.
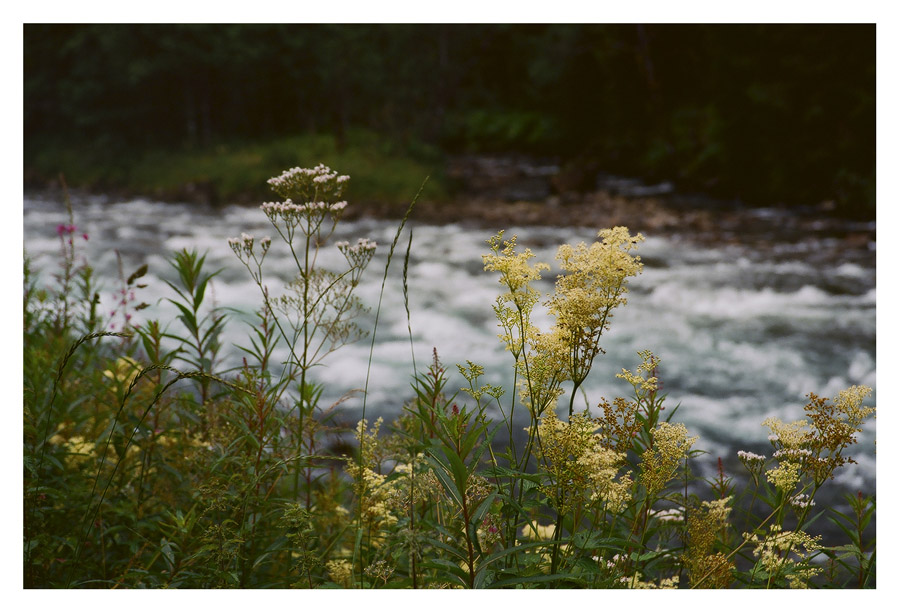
(148, 465)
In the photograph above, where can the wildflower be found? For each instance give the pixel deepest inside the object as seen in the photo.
(619, 424)
(309, 184)
(544, 365)
(748, 457)
(636, 582)
(583, 470)
(416, 483)
(834, 428)
(242, 246)
(379, 569)
(787, 435)
(340, 571)
(593, 284)
(643, 384)
(785, 476)
(471, 373)
(515, 271)
(706, 568)
(753, 462)
(659, 462)
(815, 447)
(77, 448)
(477, 489)
(779, 553)
(358, 255)
(489, 532)
(801, 502)
(849, 404)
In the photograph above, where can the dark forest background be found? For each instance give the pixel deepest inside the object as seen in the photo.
(761, 113)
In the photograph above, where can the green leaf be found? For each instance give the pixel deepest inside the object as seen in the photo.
(533, 579)
(453, 551)
(460, 474)
(444, 476)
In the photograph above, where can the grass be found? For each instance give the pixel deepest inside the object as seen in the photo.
(236, 172)
(148, 466)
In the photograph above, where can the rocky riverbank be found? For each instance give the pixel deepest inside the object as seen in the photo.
(494, 192)
(506, 192)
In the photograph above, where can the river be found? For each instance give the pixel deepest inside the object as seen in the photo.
(744, 332)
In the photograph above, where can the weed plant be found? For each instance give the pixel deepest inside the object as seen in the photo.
(147, 465)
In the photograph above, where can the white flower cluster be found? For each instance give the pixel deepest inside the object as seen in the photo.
(609, 564)
(360, 254)
(802, 501)
(243, 245)
(749, 456)
(291, 213)
(792, 454)
(362, 244)
(309, 184)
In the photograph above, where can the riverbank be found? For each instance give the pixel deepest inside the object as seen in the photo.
(817, 233)
(490, 190)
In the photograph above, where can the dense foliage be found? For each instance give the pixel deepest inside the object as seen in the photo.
(148, 465)
(767, 113)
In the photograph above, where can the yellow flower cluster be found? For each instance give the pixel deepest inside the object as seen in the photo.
(372, 492)
(593, 283)
(773, 553)
(340, 571)
(637, 583)
(594, 280)
(706, 568)
(849, 403)
(368, 441)
(544, 367)
(792, 435)
(416, 483)
(515, 271)
(643, 380)
(671, 445)
(583, 471)
(78, 449)
(815, 447)
(717, 511)
(785, 476)
(374, 496)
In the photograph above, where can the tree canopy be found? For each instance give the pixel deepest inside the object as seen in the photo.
(765, 113)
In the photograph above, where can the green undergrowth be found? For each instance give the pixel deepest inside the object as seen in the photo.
(149, 465)
(235, 171)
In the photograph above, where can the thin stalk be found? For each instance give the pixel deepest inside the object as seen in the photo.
(387, 266)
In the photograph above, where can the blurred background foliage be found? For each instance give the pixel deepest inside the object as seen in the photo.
(762, 113)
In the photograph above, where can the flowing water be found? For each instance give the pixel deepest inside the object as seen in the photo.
(743, 332)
